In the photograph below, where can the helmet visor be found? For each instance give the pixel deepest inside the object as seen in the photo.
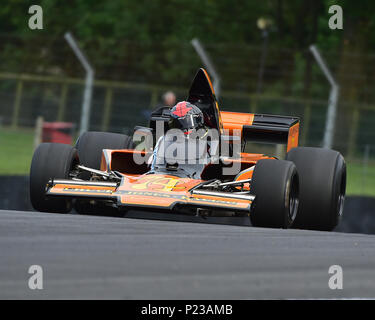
(190, 121)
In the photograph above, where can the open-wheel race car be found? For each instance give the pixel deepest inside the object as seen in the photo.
(106, 172)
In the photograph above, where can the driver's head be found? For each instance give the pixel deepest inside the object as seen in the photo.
(186, 117)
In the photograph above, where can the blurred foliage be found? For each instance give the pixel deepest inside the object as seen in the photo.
(109, 30)
(149, 41)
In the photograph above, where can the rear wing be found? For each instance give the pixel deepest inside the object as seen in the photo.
(263, 128)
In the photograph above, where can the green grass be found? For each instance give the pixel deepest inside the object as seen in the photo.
(360, 180)
(16, 150)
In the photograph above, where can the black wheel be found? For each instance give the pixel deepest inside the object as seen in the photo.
(275, 185)
(322, 174)
(50, 161)
(91, 144)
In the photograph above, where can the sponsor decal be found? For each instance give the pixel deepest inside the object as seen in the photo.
(214, 201)
(87, 190)
(158, 184)
(153, 194)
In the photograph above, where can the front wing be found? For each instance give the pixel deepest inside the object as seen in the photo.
(123, 197)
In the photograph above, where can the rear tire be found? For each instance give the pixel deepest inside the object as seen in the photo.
(50, 161)
(275, 185)
(322, 175)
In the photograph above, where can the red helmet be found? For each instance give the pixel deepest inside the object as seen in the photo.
(186, 116)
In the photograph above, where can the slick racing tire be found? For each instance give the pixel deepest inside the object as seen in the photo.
(322, 174)
(91, 144)
(50, 161)
(275, 185)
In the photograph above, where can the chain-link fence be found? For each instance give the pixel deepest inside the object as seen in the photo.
(119, 106)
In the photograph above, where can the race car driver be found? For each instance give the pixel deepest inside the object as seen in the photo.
(188, 118)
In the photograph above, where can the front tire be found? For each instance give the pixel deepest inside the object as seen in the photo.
(322, 175)
(275, 185)
(50, 161)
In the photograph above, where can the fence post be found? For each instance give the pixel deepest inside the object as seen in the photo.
(329, 131)
(62, 102)
(17, 103)
(306, 123)
(353, 133)
(38, 131)
(89, 83)
(107, 108)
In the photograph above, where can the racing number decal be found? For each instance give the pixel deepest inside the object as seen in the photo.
(155, 183)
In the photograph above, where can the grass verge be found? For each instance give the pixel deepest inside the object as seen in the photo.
(16, 150)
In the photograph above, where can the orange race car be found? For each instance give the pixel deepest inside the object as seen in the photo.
(191, 160)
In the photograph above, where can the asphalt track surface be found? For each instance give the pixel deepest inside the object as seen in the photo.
(87, 257)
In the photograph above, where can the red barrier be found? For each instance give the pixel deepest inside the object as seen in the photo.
(59, 132)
